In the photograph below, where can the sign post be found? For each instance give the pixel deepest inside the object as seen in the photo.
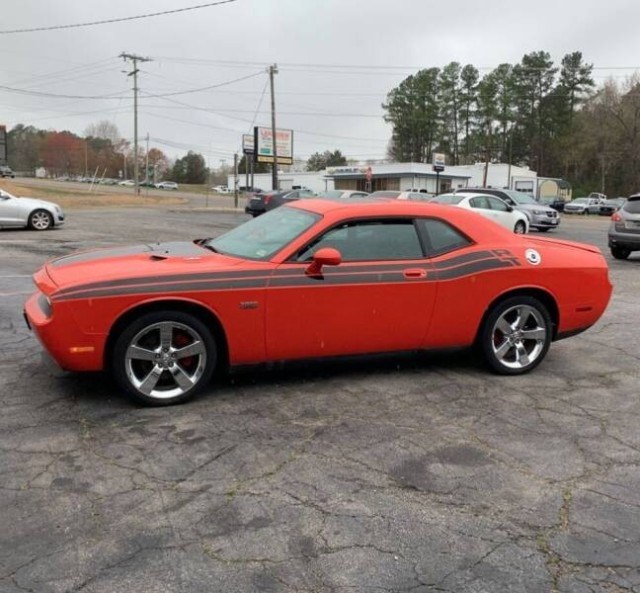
(438, 167)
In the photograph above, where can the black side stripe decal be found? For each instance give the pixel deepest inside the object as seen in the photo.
(258, 274)
(333, 277)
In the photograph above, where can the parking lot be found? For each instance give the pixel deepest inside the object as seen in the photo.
(410, 474)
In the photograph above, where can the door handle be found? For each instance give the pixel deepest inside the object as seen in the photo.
(415, 273)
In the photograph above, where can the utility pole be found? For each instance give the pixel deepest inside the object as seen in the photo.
(135, 59)
(274, 171)
(146, 164)
(235, 180)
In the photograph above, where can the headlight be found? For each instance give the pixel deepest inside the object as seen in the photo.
(539, 212)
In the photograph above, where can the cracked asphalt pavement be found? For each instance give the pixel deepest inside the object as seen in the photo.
(418, 475)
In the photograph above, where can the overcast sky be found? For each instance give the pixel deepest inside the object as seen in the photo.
(337, 61)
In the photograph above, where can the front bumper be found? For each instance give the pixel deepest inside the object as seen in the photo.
(71, 348)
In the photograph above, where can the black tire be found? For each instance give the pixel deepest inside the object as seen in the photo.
(40, 220)
(520, 228)
(146, 361)
(620, 252)
(516, 335)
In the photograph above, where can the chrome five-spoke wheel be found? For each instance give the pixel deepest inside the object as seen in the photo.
(516, 335)
(164, 358)
(40, 220)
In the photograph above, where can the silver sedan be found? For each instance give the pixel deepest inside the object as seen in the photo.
(39, 215)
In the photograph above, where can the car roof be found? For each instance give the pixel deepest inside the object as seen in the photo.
(468, 221)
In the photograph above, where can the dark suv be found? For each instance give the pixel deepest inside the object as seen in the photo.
(540, 216)
(624, 231)
(6, 172)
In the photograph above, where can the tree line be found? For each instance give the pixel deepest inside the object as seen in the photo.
(534, 113)
(100, 152)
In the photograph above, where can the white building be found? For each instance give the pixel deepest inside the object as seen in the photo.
(500, 175)
(412, 176)
(314, 180)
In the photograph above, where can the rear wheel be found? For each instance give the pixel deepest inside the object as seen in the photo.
(164, 358)
(40, 220)
(516, 335)
(520, 228)
(620, 252)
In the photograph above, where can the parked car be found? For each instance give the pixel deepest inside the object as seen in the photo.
(127, 183)
(598, 196)
(624, 230)
(540, 217)
(31, 213)
(6, 172)
(490, 207)
(608, 207)
(167, 185)
(221, 189)
(260, 203)
(315, 279)
(342, 194)
(147, 184)
(387, 194)
(582, 206)
(553, 202)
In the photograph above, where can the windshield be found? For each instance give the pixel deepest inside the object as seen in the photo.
(448, 198)
(580, 200)
(264, 236)
(520, 198)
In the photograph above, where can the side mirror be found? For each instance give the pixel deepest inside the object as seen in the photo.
(327, 256)
(509, 208)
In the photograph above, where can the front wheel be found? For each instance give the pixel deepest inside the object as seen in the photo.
(164, 358)
(516, 335)
(520, 228)
(40, 220)
(620, 252)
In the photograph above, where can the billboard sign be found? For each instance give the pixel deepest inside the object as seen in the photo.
(263, 143)
(248, 144)
(3, 145)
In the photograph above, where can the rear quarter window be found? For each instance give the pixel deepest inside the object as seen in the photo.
(441, 237)
(632, 206)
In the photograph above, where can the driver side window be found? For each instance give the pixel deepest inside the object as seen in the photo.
(369, 240)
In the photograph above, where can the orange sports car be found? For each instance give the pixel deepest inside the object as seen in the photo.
(315, 279)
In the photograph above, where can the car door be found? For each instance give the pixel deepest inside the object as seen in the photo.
(501, 212)
(10, 211)
(480, 204)
(379, 299)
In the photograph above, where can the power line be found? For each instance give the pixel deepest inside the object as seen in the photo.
(58, 96)
(117, 20)
(207, 88)
(342, 66)
(120, 96)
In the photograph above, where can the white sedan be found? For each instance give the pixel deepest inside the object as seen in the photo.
(489, 206)
(39, 215)
(167, 185)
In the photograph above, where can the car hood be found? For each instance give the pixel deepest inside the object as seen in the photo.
(531, 207)
(34, 202)
(131, 264)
